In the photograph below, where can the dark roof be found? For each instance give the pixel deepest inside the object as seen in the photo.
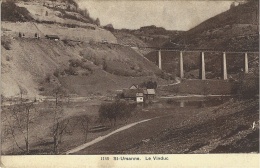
(52, 36)
(131, 93)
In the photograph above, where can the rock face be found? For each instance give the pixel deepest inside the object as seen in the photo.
(27, 61)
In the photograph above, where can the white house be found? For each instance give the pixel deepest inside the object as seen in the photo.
(139, 97)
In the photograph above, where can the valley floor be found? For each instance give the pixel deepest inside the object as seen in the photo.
(216, 127)
(222, 129)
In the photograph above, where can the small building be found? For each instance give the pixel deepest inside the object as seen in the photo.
(134, 94)
(149, 94)
(53, 37)
(137, 94)
(139, 97)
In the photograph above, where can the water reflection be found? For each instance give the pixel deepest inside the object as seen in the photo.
(197, 103)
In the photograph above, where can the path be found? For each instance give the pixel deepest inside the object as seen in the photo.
(132, 135)
(104, 137)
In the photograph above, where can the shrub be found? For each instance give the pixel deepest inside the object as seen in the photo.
(48, 78)
(92, 42)
(169, 101)
(97, 61)
(41, 89)
(56, 73)
(80, 63)
(6, 42)
(8, 58)
(11, 12)
(75, 63)
(70, 71)
(248, 86)
(117, 109)
(104, 65)
(87, 67)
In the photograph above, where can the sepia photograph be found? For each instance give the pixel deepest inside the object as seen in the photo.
(129, 77)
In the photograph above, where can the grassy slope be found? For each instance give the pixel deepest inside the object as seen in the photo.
(222, 129)
(201, 87)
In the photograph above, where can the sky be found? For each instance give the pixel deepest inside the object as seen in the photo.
(172, 15)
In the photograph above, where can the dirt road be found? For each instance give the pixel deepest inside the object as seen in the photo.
(130, 137)
(104, 137)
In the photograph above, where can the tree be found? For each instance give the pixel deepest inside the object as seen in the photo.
(97, 22)
(59, 125)
(109, 27)
(85, 126)
(18, 124)
(117, 109)
(149, 85)
(104, 65)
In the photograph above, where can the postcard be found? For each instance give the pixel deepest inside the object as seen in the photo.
(129, 83)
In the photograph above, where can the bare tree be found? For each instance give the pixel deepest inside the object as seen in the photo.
(59, 126)
(18, 124)
(85, 126)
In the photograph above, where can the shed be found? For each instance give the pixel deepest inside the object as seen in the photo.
(149, 93)
(53, 37)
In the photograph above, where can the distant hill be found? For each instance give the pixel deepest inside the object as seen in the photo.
(233, 30)
(150, 35)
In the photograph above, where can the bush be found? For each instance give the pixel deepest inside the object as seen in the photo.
(6, 42)
(248, 86)
(87, 67)
(48, 78)
(117, 109)
(70, 71)
(80, 63)
(41, 89)
(75, 63)
(56, 73)
(11, 12)
(8, 58)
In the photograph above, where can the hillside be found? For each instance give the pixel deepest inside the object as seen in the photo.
(36, 65)
(151, 36)
(233, 30)
(56, 11)
(78, 61)
(222, 129)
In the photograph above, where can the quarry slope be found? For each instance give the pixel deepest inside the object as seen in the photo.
(37, 64)
(79, 60)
